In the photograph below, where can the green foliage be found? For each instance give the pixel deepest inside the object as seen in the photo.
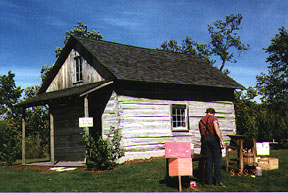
(188, 46)
(10, 135)
(102, 154)
(9, 95)
(274, 86)
(262, 121)
(10, 142)
(224, 38)
(37, 147)
(37, 127)
(80, 30)
(45, 70)
(271, 120)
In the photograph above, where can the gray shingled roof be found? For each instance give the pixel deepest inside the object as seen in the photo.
(130, 63)
(157, 66)
(44, 98)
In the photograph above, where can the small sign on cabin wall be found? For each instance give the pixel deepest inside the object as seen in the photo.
(85, 122)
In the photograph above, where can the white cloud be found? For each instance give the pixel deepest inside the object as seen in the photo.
(54, 21)
(125, 23)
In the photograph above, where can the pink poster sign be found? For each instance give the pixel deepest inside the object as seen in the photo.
(180, 167)
(177, 150)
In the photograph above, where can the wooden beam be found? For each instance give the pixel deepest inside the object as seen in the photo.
(86, 110)
(23, 137)
(52, 146)
(96, 88)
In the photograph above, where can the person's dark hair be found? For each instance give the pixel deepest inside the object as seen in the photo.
(210, 110)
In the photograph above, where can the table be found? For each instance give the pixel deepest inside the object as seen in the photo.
(237, 147)
(195, 158)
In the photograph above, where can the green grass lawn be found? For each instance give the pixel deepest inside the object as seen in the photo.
(140, 177)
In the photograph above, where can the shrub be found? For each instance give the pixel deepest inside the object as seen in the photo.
(102, 154)
(36, 148)
(9, 143)
(262, 121)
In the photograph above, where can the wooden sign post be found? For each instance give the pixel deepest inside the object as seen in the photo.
(180, 161)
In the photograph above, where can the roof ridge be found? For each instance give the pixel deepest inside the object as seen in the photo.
(140, 47)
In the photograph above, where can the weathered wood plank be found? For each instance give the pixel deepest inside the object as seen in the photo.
(129, 120)
(52, 139)
(23, 137)
(145, 147)
(146, 112)
(151, 106)
(151, 126)
(65, 77)
(153, 140)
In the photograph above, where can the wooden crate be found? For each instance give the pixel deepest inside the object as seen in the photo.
(268, 163)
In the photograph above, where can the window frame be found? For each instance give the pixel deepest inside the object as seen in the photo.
(78, 69)
(177, 119)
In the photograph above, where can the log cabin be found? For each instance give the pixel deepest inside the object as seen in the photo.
(152, 96)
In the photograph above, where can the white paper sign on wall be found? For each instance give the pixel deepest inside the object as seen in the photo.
(86, 122)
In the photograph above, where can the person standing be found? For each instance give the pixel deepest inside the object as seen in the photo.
(211, 145)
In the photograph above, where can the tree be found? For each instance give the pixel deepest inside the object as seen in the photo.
(224, 37)
(9, 95)
(188, 46)
(274, 86)
(259, 120)
(10, 134)
(80, 30)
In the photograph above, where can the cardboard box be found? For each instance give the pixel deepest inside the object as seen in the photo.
(263, 148)
(268, 163)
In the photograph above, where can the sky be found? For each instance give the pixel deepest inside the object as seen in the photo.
(30, 30)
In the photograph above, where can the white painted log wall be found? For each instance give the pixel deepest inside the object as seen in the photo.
(145, 124)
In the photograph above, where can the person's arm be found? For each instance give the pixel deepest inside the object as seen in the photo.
(218, 132)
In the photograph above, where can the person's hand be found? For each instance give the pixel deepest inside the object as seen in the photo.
(222, 144)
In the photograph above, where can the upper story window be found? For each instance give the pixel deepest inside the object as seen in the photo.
(179, 117)
(78, 70)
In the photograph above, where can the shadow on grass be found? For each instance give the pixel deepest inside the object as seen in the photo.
(173, 181)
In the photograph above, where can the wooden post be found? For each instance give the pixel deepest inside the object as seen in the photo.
(241, 155)
(86, 110)
(23, 137)
(52, 147)
(180, 184)
(254, 151)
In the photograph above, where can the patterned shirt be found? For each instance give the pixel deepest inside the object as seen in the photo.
(206, 125)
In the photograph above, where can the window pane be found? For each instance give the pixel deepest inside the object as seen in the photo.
(178, 116)
(79, 62)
